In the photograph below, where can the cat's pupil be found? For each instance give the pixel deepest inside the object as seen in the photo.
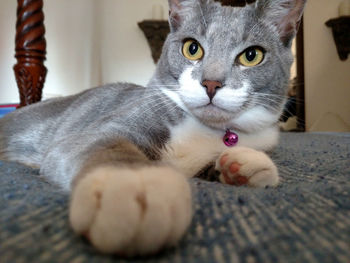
(251, 54)
(193, 48)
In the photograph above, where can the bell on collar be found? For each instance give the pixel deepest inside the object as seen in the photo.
(230, 139)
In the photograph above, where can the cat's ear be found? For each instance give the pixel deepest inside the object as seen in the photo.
(285, 15)
(176, 13)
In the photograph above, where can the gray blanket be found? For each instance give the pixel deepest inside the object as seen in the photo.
(305, 219)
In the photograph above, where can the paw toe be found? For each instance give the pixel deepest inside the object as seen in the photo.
(237, 180)
(234, 168)
(223, 159)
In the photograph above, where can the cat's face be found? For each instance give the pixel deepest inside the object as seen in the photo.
(230, 65)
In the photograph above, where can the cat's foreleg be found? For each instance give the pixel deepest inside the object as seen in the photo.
(246, 166)
(124, 204)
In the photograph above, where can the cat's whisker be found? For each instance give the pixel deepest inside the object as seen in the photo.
(259, 103)
(280, 100)
(155, 105)
(298, 84)
(269, 107)
(202, 14)
(265, 96)
(163, 85)
(132, 102)
(277, 100)
(295, 81)
(154, 102)
(170, 108)
(284, 114)
(152, 99)
(173, 87)
(154, 88)
(269, 94)
(298, 122)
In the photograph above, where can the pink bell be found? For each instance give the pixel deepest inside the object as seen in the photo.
(230, 139)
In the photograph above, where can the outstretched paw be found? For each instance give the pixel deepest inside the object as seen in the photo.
(246, 166)
(131, 212)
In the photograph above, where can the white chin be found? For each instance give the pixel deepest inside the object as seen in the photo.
(255, 119)
(212, 115)
(251, 120)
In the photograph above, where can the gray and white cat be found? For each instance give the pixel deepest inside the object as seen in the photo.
(126, 151)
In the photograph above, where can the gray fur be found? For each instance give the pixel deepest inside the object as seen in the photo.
(61, 135)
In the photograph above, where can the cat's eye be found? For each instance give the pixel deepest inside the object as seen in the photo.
(251, 57)
(192, 50)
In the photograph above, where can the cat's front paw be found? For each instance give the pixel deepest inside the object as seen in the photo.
(246, 166)
(131, 212)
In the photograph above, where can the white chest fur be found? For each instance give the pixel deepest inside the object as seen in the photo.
(192, 145)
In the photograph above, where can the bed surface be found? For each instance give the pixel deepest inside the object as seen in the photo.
(305, 219)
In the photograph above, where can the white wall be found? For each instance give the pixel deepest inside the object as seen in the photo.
(89, 43)
(125, 52)
(69, 33)
(327, 78)
(8, 86)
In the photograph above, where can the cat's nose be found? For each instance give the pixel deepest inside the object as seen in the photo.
(211, 86)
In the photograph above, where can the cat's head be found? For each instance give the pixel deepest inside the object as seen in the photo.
(229, 66)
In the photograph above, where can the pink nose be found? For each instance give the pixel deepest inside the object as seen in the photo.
(211, 86)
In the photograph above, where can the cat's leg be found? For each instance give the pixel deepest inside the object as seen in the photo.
(246, 166)
(124, 204)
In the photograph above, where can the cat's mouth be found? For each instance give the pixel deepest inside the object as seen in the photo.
(213, 113)
(216, 108)
(213, 106)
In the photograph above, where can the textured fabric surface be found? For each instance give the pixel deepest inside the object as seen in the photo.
(305, 219)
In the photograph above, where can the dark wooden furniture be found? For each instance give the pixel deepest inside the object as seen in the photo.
(300, 79)
(30, 48)
(341, 28)
(156, 32)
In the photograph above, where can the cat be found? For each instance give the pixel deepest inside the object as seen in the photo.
(125, 151)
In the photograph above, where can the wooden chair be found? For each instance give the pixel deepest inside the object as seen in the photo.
(30, 48)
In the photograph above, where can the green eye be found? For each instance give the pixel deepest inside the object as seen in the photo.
(251, 57)
(192, 50)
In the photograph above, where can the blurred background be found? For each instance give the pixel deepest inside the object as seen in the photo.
(92, 42)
